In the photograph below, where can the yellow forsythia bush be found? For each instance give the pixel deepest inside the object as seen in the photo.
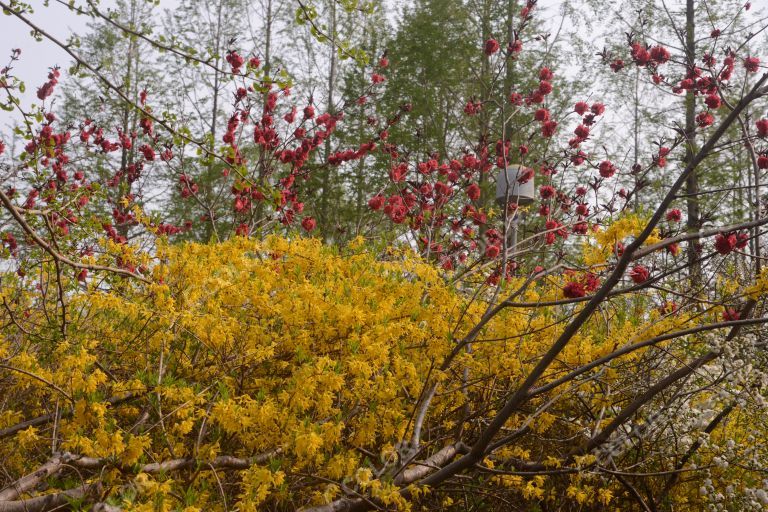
(282, 374)
(308, 359)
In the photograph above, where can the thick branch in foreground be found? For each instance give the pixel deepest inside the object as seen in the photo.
(64, 460)
(220, 462)
(48, 502)
(32, 480)
(410, 475)
(680, 374)
(521, 395)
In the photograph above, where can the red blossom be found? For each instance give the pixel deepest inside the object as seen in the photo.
(578, 158)
(47, 88)
(580, 228)
(548, 128)
(473, 192)
(309, 224)
(742, 240)
(640, 54)
(535, 97)
(581, 131)
(606, 169)
(236, 61)
(659, 54)
(712, 101)
(376, 202)
(674, 215)
(591, 282)
(639, 274)
(704, 119)
(242, 230)
(725, 242)
(547, 191)
(574, 290)
(397, 173)
(491, 47)
(762, 127)
(472, 108)
(673, 249)
(752, 64)
(148, 152)
(661, 159)
(492, 251)
(541, 114)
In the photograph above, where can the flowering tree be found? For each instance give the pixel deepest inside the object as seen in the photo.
(585, 366)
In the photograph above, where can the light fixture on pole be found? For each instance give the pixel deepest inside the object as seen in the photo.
(515, 184)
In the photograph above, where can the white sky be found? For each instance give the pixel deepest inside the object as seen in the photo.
(56, 19)
(37, 57)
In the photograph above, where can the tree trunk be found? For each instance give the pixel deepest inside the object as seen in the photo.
(693, 222)
(126, 155)
(486, 91)
(327, 181)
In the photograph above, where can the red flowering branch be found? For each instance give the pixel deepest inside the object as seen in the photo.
(14, 211)
(144, 112)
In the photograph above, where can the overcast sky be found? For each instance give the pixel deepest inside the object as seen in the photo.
(37, 57)
(60, 22)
